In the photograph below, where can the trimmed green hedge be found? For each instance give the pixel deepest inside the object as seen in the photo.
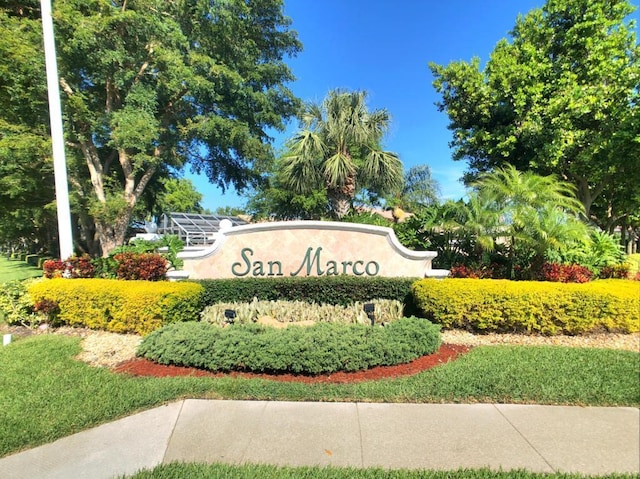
(117, 306)
(343, 290)
(486, 305)
(323, 348)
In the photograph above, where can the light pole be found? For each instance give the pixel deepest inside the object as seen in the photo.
(57, 138)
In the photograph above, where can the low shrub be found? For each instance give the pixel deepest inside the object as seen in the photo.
(72, 267)
(16, 305)
(633, 260)
(492, 270)
(117, 306)
(386, 310)
(320, 349)
(530, 306)
(343, 290)
(617, 271)
(41, 262)
(32, 259)
(565, 273)
(144, 266)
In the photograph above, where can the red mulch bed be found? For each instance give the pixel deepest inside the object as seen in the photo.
(446, 353)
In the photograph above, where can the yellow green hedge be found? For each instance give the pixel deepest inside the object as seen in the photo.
(486, 305)
(120, 306)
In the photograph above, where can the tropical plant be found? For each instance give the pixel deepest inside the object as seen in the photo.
(16, 306)
(459, 232)
(596, 251)
(338, 149)
(536, 213)
(168, 246)
(511, 223)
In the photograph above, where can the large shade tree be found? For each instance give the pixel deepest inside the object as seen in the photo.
(149, 86)
(560, 97)
(27, 212)
(338, 148)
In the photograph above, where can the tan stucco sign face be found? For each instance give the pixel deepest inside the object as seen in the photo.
(306, 248)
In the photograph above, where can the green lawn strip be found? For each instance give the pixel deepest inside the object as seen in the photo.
(250, 471)
(45, 394)
(11, 270)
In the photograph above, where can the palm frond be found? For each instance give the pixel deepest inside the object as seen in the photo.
(337, 169)
(382, 169)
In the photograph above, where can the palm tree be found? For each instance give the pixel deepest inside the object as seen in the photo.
(536, 213)
(338, 147)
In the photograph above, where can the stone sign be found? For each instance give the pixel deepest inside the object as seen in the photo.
(305, 248)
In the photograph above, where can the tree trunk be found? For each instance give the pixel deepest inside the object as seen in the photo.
(339, 202)
(111, 232)
(587, 194)
(113, 235)
(340, 197)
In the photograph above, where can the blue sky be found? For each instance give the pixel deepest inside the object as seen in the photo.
(384, 47)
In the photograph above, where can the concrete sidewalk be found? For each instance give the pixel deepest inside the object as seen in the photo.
(590, 440)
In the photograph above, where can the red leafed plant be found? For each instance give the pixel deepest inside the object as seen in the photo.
(565, 273)
(48, 308)
(618, 271)
(145, 266)
(72, 267)
(53, 268)
(492, 270)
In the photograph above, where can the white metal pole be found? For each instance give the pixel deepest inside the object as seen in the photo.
(57, 138)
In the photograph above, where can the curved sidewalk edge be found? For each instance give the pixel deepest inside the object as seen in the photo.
(587, 440)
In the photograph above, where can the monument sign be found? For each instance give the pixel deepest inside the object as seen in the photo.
(305, 248)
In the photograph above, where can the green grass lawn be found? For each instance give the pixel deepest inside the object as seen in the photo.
(45, 394)
(11, 270)
(188, 471)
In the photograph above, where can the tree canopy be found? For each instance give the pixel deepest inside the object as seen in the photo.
(150, 85)
(560, 97)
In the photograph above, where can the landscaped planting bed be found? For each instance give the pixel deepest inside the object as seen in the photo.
(283, 313)
(318, 349)
(115, 305)
(486, 305)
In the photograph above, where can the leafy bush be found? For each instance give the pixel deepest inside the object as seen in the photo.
(386, 310)
(618, 271)
(167, 245)
(118, 306)
(72, 267)
(143, 266)
(367, 218)
(529, 306)
(634, 263)
(32, 259)
(565, 273)
(343, 290)
(16, 305)
(493, 270)
(319, 349)
(41, 262)
(596, 251)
